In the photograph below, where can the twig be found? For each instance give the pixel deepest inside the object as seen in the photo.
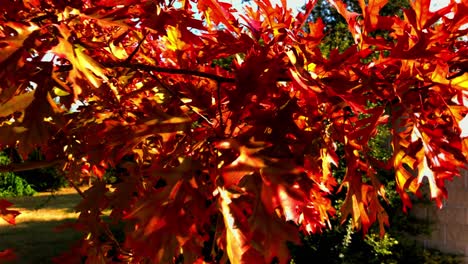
(134, 52)
(151, 68)
(80, 192)
(29, 165)
(218, 94)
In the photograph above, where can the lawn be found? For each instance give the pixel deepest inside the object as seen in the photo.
(35, 238)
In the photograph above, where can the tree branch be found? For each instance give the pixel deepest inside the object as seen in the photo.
(134, 52)
(218, 94)
(29, 165)
(150, 68)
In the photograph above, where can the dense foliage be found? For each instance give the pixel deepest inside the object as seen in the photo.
(219, 163)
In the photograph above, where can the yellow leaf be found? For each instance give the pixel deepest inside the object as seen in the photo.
(60, 92)
(439, 76)
(118, 51)
(425, 171)
(89, 67)
(235, 239)
(311, 67)
(173, 39)
(84, 66)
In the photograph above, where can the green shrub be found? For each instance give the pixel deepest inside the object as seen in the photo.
(11, 184)
(44, 179)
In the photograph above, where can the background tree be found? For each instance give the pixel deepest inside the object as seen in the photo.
(337, 35)
(229, 164)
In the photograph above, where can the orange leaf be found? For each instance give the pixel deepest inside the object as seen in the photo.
(350, 18)
(421, 8)
(236, 242)
(218, 12)
(436, 192)
(271, 234)
(84, 67)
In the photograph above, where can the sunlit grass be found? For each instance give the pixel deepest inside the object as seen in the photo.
(35, 238)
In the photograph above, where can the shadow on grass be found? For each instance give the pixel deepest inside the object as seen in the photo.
(35, 238)
(38, 241)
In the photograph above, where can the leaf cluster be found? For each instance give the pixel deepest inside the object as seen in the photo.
(226, 164)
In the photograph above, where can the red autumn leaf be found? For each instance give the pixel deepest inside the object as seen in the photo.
(6, 214)
(7, 255)
(372, 9)
(372, 18)
(219, 12)
(350, 17)
(423, 13)
(236, 241)
(272, 235)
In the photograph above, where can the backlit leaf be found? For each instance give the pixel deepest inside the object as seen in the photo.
(236, 242)
(84, 67)
(173, 39)
(218, 12)
(422, 11)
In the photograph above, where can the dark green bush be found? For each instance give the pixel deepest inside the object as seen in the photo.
(11, 184)
(43, 179)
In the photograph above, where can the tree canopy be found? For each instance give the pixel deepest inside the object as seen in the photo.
(223, 162)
